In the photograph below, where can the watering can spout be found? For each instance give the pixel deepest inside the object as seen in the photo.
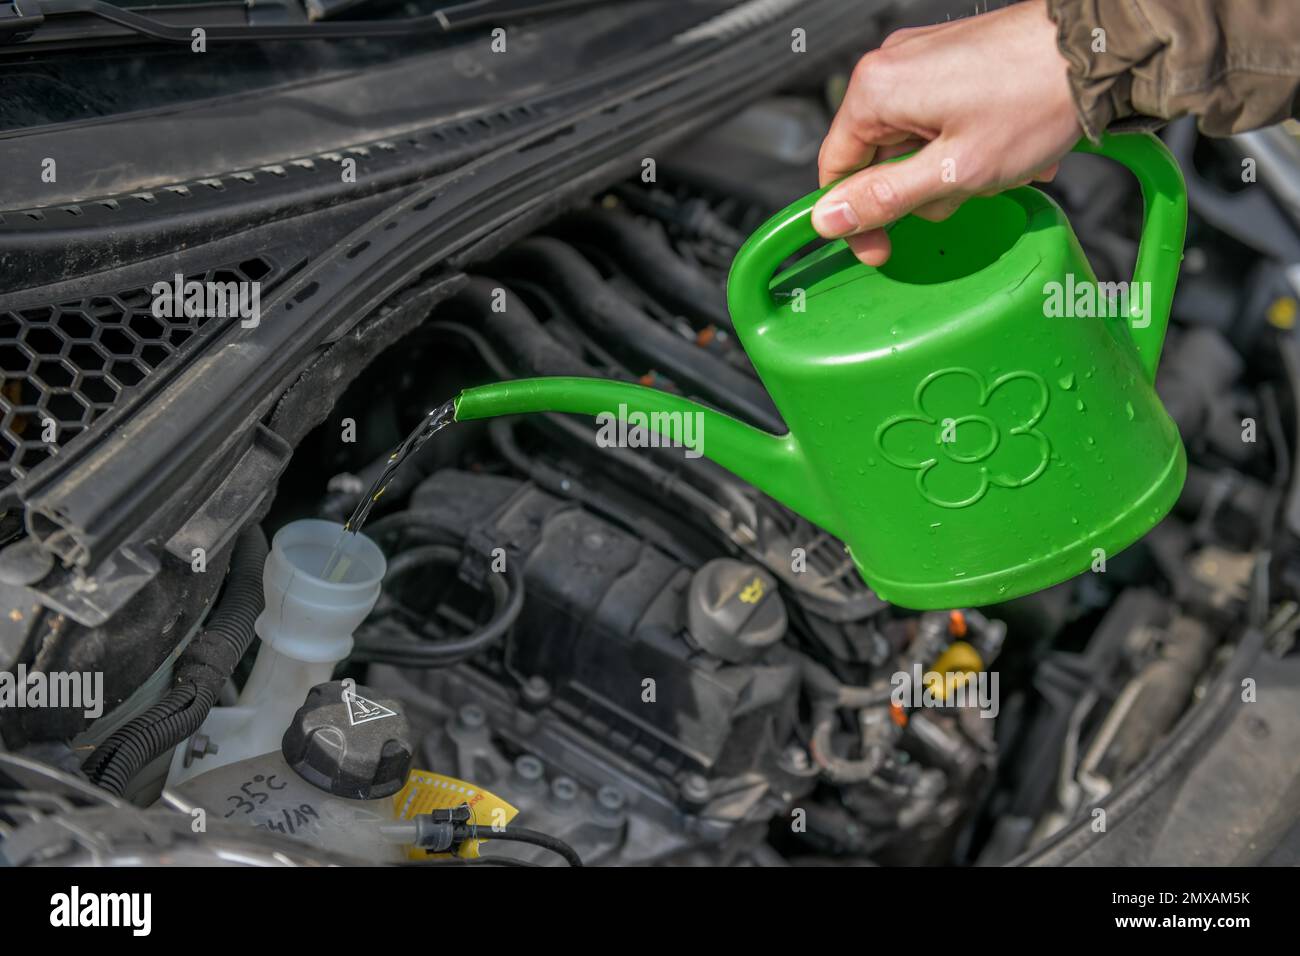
(772, 463)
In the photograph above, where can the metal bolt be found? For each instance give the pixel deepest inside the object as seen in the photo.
(528, 769)
(537, 690)
(610, 801)
(796, 758)
(564, 791)
(199, 747)
(472, 717)
(695, 788)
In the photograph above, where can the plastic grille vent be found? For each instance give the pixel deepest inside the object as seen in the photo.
(69, 363)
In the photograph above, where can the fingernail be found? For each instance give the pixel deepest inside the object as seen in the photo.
(834, 219)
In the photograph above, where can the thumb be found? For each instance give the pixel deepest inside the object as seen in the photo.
(880, 194)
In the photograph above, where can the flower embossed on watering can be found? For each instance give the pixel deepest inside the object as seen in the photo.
(866, 363)
(960, 439)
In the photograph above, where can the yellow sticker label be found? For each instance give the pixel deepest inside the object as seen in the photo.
(425, 792)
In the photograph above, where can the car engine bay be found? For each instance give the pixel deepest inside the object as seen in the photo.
(673, 668)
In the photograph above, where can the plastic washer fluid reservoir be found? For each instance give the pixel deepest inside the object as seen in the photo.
(306, 629)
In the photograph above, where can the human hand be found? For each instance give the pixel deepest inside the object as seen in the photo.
(985, 98)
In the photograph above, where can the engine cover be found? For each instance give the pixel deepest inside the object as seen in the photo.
(604, 625)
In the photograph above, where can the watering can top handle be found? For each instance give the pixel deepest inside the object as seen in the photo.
(1159, 252)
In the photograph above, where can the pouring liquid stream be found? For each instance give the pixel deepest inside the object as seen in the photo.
(340, 561)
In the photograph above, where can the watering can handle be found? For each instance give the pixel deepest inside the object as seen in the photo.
(1164, 227)
(1160, 251)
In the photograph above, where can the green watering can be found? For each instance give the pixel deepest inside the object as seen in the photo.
(975, 419)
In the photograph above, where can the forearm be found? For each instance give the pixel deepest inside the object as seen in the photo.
(1234, 64)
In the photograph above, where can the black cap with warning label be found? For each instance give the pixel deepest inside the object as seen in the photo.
(347, 742)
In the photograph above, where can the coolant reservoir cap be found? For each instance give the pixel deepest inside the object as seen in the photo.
(348, 742)
(734, 610)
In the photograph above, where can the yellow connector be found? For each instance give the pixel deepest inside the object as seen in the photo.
(954, 668)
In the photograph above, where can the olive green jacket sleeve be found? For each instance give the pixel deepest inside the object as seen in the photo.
(1234, 64)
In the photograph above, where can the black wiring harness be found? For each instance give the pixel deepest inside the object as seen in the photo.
(201, 671)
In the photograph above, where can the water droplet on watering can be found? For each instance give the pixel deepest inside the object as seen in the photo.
(1057, 361)
(1067, 382)
(1080, 406)
(1128, 410)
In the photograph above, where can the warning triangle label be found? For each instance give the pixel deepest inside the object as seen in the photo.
(361, 711)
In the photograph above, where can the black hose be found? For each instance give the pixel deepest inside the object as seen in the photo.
(828, 695)
(508, 600)
(695, 217)
(531, 349)
(635, 336)
(521, 332)
(823, 687)
(201, 671)
(470, 831)
(841, 769)
(413, 526)
(646, 254)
